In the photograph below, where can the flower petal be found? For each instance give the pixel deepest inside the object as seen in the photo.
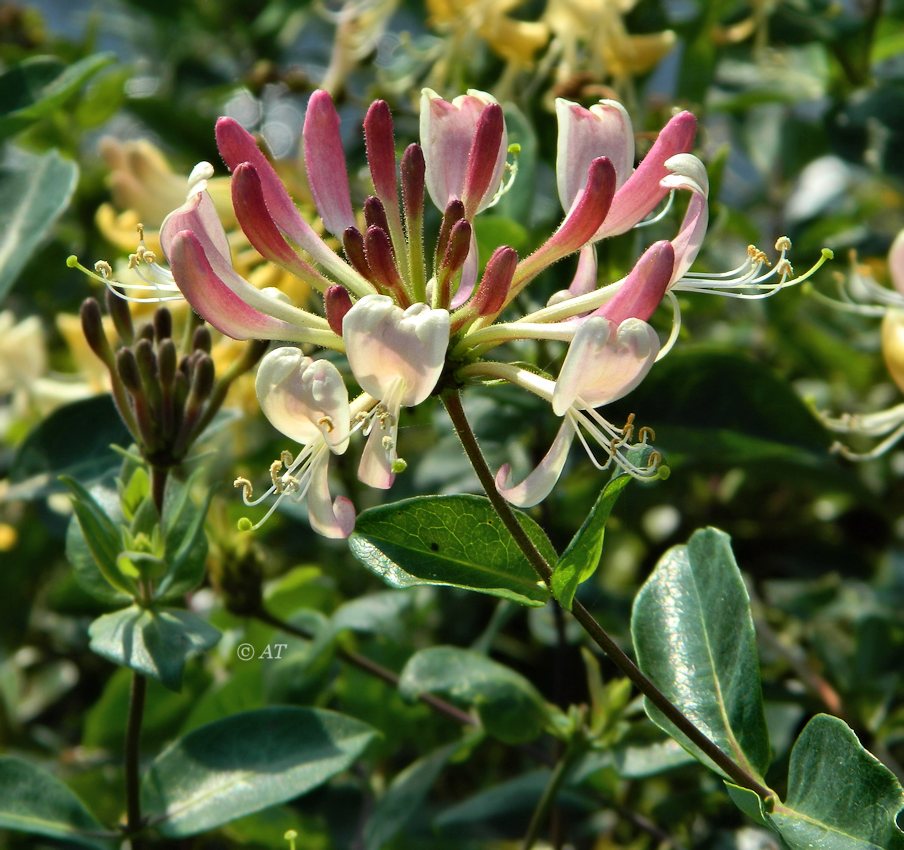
(642, 191)
(304, 399)
(375, 468)
(385, 344)
(643, 288)
(687, 172)
(329, 519)
(324, 160)
(584, 134)
(539, 483)
(447, 135)
(214, 300)
(603, 364)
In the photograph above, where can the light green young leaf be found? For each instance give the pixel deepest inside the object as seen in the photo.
(155, 643)
(510, 707)
(580, 560)
(35, 801)
(693, 634)
(840, 797)
(244, 763)
(450, 540)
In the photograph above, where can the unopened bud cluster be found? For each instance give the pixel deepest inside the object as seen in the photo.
(166, 392)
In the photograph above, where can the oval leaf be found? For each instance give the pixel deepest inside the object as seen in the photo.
(244, 763)
(840, 797)
(156, 643)
(35, 801)
(694, 638)
(457, 541)
(510, 707)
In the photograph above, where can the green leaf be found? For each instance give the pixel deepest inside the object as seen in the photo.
(245, 763)
(156, 643)
(93, 545)
(693, 634)
(404, 797)
(580, 560)
(74, 441)
(35, 801)
(186, 542)
(840, 797)
(35, 188)
(509, 706)
(748, 802)
(457, 541)
(721, 409)
(40, 84)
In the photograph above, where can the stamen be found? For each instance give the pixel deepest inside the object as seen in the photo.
(660, 215)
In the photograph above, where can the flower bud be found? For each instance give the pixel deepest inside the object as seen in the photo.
(163, 324)
(413, 182)
(201, 340)
(118, 309)
(93, 329)
(127, 368)
(494, 285)
(455, 212)
(202, 378)
(166, 361)
(353, 245)
(337, 302)
(375, 214)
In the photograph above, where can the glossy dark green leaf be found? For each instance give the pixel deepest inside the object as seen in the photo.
(404, 797)
(449, 540)
(156, 643)
(35, 801)
(509, 706)
(245, 763)
(840, 797)
(35, 188)
(74, 440)
(693, 634)
(38, 85)
(716, 408)
(582, 556)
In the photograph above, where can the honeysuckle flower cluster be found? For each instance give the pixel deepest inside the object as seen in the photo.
(409, 327)
(860, 293)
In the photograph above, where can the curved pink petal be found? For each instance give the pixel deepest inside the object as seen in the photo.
(584, 280)
(483, 172)
(468, 274)
(255, 220)
(328, 518)
(578, 227)
(539, 483)
(375, 467)
(213, 300)
(604, 363)
(584, 134)
(324, 160)
(688, 173)
(642, 191)
(643, 288)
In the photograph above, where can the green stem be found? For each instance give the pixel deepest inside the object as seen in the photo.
(737, 774)
(548, 798)
(368, 665)
(132, 759)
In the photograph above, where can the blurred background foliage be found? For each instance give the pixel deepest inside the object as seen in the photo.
(801, 110)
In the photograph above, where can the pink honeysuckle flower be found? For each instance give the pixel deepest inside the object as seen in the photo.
(465, 145)
(396, 356)
(306, 400)
(603, 363)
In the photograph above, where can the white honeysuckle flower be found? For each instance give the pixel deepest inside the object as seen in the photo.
(306, 400)
(603, 363)
(396, 356)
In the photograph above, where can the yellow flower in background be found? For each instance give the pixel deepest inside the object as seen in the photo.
(591, 43)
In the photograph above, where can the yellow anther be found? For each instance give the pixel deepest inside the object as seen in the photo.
(134, 260)
(326, 423)
(148, 256)
(645, 434)
(104, 269)
(247, 488)
(654, 460)
(783, 243)
(388, 444)
(286, 458)
(140, 228)
(783, 268)
(275, 471)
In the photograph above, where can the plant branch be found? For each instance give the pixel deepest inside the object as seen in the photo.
(557, 777)
(368, 665)
(132, 759)
(737, 774)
